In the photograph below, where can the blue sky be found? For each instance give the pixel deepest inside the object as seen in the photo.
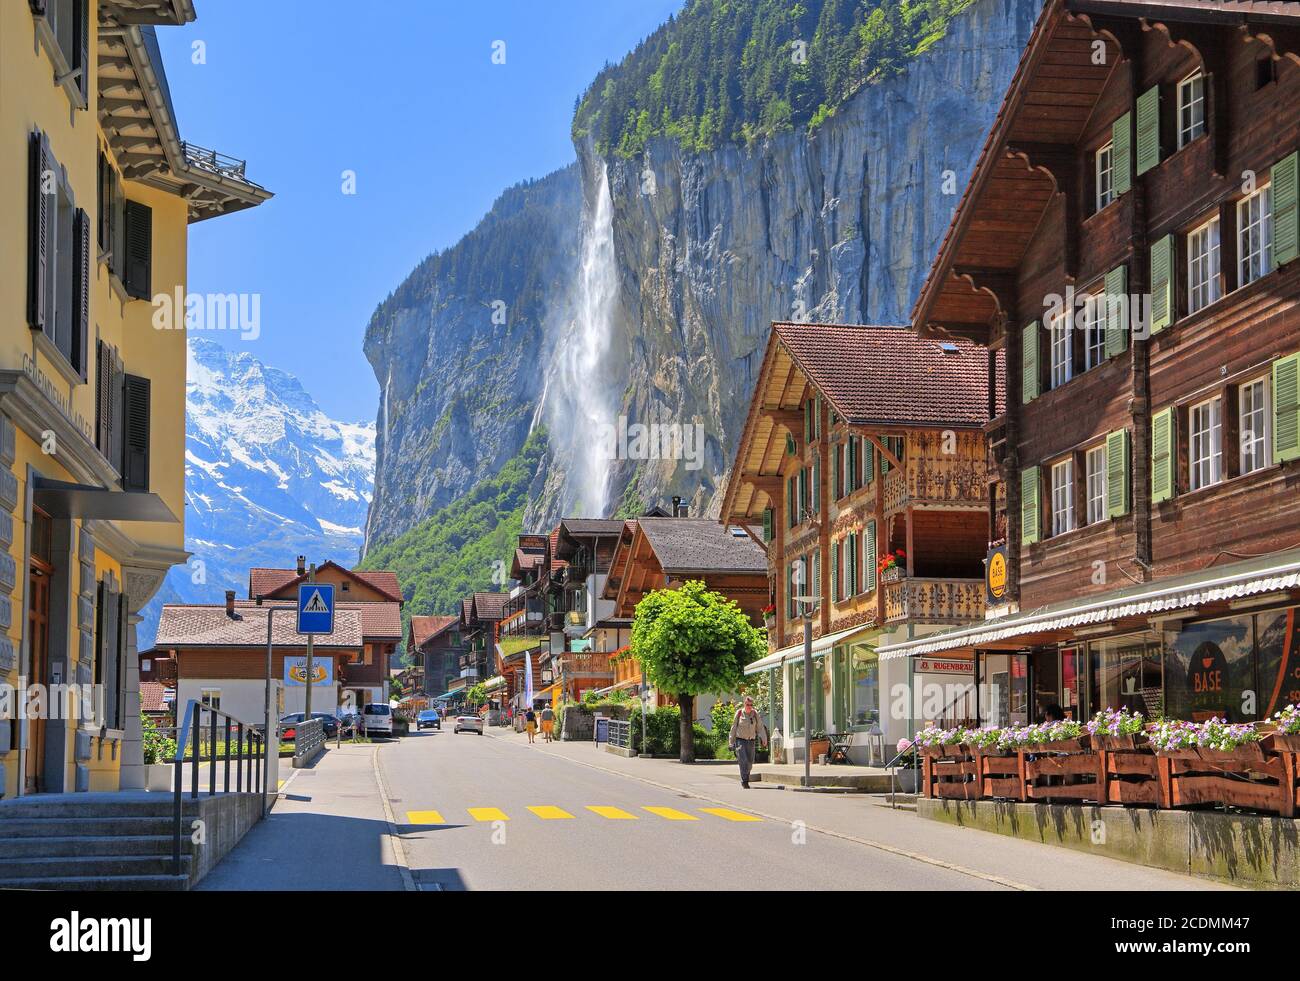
(414, 105)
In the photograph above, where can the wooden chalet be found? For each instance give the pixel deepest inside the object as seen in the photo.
(1129, 240)
(863, 447)
(434, 644)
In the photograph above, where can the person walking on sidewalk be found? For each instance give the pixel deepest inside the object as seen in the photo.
(548, 723)
(530, 724)
(747, 729)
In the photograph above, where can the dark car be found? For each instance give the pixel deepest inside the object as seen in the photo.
(429, 719)
(289, 723)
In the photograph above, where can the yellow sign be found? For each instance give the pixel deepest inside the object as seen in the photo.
(295, 671)
(996, 574)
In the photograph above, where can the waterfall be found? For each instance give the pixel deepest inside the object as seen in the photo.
(577, 395)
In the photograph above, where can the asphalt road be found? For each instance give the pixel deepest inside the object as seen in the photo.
(492, 812)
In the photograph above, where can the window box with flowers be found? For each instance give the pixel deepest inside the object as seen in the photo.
(769, 616)
(892, 567)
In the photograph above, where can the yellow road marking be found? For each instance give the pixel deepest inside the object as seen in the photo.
(279, 784)
(548, 813)
(613, 813)
(487, 814)
(424, 817)
(728, 814)
(671, 814)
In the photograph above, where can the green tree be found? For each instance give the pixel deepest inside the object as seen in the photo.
(476, 695)
(691, 641)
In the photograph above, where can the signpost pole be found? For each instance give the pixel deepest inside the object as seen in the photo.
(311, 578)
(272, 747)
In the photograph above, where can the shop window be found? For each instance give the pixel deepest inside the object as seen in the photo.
(1128, 672)
(1210, 671)
(818, 697)
(857, 688)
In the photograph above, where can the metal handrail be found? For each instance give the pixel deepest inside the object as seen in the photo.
(255, 773)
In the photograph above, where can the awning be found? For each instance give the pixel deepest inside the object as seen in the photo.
(60, 499)
(449, 695)
(820, 646)
(1268, 574)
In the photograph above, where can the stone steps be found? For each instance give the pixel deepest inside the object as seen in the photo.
(121, 883)
(45, 846)
(96, 866)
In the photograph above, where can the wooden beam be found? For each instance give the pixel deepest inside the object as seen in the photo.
(884, 451)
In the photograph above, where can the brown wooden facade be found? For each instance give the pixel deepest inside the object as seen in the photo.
(1200, 111)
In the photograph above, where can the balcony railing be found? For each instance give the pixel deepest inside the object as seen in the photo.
(584, 663)
(214, 162)
(934, 600)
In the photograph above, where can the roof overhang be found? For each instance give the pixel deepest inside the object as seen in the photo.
(1130, 608)
(61, 499)
(794, 652)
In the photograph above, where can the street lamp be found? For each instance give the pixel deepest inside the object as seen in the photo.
(808, 603)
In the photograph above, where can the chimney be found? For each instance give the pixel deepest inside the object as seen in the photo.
(302, 564)
(230, 603)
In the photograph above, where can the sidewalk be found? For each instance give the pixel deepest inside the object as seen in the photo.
(329, 831)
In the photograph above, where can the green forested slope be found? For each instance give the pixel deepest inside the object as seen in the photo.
(734, 70)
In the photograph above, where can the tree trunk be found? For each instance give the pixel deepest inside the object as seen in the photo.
(687, 704)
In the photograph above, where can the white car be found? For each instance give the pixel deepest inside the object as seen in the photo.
(377, 719)
(469, 723)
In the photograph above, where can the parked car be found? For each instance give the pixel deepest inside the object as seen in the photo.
(288, 724)
(469, 723)
(377, 719)
(429, 719)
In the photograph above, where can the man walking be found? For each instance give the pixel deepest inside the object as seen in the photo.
(548, 723)
(530, 724)
(746, 729)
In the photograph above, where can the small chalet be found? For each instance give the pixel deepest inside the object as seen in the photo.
(434, 643)
(863, 462)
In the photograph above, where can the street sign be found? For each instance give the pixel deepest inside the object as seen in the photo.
(316, 608)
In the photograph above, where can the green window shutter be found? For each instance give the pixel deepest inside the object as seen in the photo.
(868, 462)
(791, 503)
(1162, 455)
(1117, 473)
(853, 464)
(1148, 129)
(767, 524)
(1029, 511)
(839, 472)
(1121, 154)
(1029, 363)
(851, 565)
(835, 570)
(1286, 209)
(1286, 408)
(815, 503)
(803, 493)
(1116, 311)
(869, 557)
(1162, 291)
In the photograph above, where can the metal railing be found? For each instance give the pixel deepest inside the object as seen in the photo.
(308, 738)
(249, 759)
(620, 733)
(214, 162)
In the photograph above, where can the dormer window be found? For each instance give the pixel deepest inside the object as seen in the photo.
(1104, 169)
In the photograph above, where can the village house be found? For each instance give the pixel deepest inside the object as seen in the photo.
(863, 462)
(1147, 463)
(434, 645)
(100, 193)
(221, 651)
(374, 594)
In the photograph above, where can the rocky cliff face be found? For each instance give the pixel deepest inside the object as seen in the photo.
(703, 251)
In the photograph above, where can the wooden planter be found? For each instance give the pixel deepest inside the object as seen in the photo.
(1132, 777)
(1000, 774)
(1118, 743)
(1065, 770)
(1281, 742)
(818, 747)
(1247, 777)
(947, 773)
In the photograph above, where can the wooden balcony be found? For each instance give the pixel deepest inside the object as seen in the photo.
(584, 664)
(922, 600)
(936, 472)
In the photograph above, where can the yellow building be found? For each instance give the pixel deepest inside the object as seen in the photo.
(98, 191)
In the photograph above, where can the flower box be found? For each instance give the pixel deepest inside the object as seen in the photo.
(1281, 742)
(1113, 744)
(1082, 744)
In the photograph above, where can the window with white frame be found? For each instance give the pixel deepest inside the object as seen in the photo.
(1063, 496)
(1203, 266)
(1095, 471)
(1191, 108)
(1094, 329)
(1205, 428)
(1062, 366)
(1254, 235)
(1252, 424)
(1105, 174)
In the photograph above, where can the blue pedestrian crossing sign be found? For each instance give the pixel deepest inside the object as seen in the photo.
(316, 608)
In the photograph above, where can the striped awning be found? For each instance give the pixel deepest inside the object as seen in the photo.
(820, 646)
(1257, 577)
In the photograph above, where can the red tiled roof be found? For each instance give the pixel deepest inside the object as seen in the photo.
(889, 375)
(266, 582)
(424, 629)
(209, 626)
(379, 620)
(151, 697)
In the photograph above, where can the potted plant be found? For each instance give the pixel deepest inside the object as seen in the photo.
(892, 566)
(907, 763)
(1111, 730)
(1284, 731)
(818, 745)
(1222, 742)
(158, 750)
(769, 616)
(1063, 736)
(939, 743)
